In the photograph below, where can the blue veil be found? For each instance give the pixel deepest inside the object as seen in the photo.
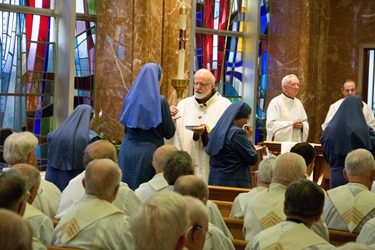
(142, 105)
(67, 143)
(347, 129)
(222, 130)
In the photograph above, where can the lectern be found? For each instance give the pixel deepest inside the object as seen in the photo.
(321, 169)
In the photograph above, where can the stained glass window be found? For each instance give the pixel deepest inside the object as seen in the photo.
(219, 43)
(28, 71)
(260, 131)
(27, 77)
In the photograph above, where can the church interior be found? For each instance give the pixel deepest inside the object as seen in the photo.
(58, 54)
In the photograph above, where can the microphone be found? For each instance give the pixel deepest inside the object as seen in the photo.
(273, 135)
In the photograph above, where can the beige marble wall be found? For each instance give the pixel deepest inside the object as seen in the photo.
(129, 34)
(318, 40)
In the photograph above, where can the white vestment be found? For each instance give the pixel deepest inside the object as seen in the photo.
(40, 223)
(215, 239)
(347, 207)
(281, 113)
(38, 245)
(367, 112)
(216, 219)
(240, 201)
(288, 235)
(126, 200)
(93, 224)
(367, 234)
(193, 113)
(266, 209)
(48, 200)
(148, 189)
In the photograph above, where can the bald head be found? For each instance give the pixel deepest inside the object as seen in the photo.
(101, 149)
(193, 186)
(102, 179)
(15, 231)
(287, 168)
(160, 155)
(32, 179)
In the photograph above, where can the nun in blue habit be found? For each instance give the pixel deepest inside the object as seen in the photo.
(147, 121)
(66, 145)
(346, 131)
(230, 150)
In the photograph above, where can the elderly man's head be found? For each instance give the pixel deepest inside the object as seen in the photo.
(204, 82)
(360, 167)
(102, 179)
(13, 193)
(178, 163)
(288, 167)
(290, 85)
(161, 223)
(101, 149)
(160, 155)
(20, 148)
(32, 179)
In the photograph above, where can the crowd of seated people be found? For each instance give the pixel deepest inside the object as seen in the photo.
(172, 210)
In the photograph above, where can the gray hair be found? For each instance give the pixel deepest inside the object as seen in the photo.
(285, 79)
(198, 212)
(288, 167)
(30, 173)
(102, 176)
(178, 163)
(160, 222)
(18, 146)
(191, 185)
(265, 169)
(12, 189)
(359, 162)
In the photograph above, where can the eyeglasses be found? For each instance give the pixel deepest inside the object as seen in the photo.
(203, 85)
(40, 191)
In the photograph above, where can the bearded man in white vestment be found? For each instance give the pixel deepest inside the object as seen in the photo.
(95, 223)
(195, 116)
(286, 118)
(349, 88)
(303, 207)
(349, 207)
(266, 208)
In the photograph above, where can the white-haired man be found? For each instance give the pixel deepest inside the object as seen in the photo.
(195, 116)
(286, 117)
(347, 207)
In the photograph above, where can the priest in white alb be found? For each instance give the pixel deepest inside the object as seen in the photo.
(286, 117)
(195, 116)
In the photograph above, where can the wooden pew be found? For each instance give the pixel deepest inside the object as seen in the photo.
(222, 193)
(224, 206)
(338, 238)
(239, 244)
(235, 227)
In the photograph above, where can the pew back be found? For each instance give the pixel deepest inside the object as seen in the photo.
(221, 193)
